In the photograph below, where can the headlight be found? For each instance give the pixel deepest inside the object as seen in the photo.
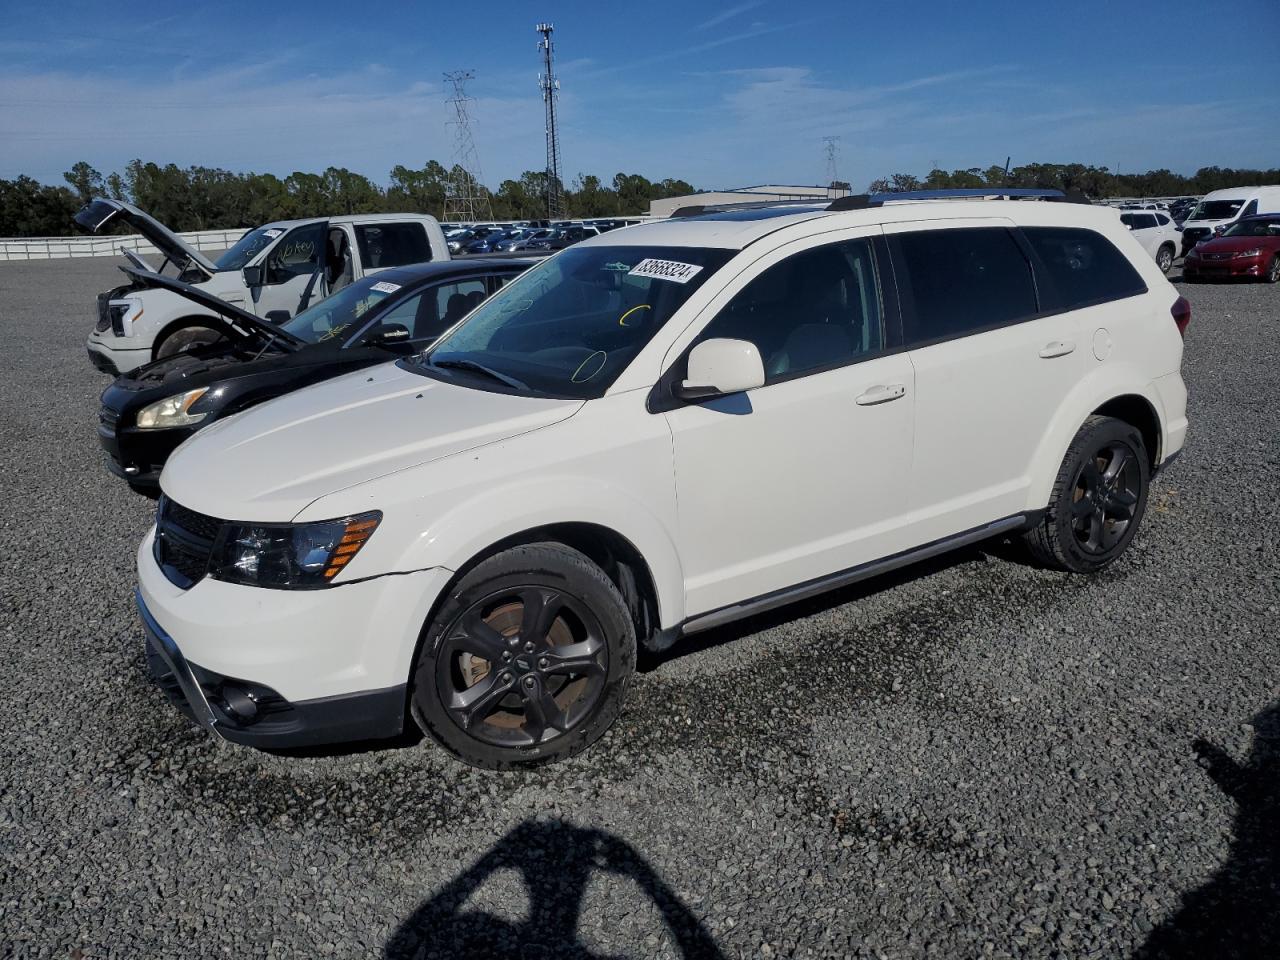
(172, 411)
(301, 556)
(1255, 252)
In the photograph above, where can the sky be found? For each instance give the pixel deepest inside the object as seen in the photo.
(720, 94)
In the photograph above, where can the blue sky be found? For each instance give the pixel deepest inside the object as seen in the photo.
(721, 94)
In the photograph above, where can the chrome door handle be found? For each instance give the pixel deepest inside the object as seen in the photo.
(1058, 348)
(881, 393)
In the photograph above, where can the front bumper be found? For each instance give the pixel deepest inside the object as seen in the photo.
(137, 455)
(1243, 268)
(325, 665)
(112, 360)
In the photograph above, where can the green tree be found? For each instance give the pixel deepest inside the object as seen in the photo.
(84, 180)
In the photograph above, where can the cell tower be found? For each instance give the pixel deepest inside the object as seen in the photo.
(829, 151)
(550, 93)
(467, 200)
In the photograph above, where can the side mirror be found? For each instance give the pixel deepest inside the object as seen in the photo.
(719, 367)
(390, 335)
(252, 276)
(278, 316)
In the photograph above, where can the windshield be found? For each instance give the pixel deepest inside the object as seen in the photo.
(247, 247)
(333, 316)
(1255, 228)
(569, 326)
(1217, 210)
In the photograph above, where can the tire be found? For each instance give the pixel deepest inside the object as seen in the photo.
(495, 700)
(1273, 270)
(1098, 498)
(1164, 258)
(186, 339)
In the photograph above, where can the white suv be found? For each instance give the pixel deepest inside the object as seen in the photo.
(652, 433)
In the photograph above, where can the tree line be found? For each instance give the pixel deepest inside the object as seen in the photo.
(206, 198)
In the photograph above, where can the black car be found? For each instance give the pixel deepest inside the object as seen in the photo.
(148, 412)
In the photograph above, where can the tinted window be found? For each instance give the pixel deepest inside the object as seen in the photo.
(1084, 267)
(1146, 221)
(297, 254)
(1162, 219)
(963, 280)
(816, 309)
(392, 244)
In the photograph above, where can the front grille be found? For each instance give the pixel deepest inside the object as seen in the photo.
(1217, 256)
(104, 313)
(184, 542)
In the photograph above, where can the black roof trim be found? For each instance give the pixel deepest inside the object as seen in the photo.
(863, 201)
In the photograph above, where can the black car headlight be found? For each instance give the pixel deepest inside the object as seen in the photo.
(302, 556)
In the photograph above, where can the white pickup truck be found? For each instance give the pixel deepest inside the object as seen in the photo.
(273, 271)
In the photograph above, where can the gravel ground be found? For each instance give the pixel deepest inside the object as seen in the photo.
(975, 758)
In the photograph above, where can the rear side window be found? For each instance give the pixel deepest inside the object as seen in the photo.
(1083, 266)
(961, 281)
(392, 244)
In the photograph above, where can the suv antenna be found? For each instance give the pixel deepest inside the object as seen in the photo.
(467, 200)
(550, 87)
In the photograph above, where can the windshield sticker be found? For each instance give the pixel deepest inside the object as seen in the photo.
(274, 233)
(382, 286)
(671, 270)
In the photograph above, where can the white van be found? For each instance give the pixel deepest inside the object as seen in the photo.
(1222, 208)
(274, 271)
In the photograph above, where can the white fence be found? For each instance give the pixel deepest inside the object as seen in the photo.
(56, 248)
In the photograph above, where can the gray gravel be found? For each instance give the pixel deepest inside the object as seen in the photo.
(976, 758)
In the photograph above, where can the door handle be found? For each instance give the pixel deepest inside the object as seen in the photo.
(1057, 348)
(881, 393)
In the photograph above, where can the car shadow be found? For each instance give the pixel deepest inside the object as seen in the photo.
(1236, 915)
(555, 861)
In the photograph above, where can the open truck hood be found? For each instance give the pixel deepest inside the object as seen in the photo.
(100, 213)
(240, 321)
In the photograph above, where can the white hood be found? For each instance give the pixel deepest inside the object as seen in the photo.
(270, 462)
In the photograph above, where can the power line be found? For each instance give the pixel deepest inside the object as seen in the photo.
(550, 94)
(466, 200)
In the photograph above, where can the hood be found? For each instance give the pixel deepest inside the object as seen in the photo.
(1236, 244)
(240, 321)
(98, 214)
(268, 463)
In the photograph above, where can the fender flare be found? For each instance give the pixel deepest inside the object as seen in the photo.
(1103, 385)
(473, 527)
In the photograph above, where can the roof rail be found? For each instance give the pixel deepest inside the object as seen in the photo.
(863, 201)
(695, 210)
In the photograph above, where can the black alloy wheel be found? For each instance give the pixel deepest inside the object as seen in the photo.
(1273, 270)
(1098, 499)
(1164, 259)
(527, 659)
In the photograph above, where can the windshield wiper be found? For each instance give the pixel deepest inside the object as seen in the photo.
(479, 368)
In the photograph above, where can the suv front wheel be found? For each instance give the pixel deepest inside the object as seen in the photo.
(526, 661)
(1098, 498)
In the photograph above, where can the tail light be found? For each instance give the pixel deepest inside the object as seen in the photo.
(1181, 311)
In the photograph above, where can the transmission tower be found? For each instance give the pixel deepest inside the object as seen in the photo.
(550, 93)
(829, 151)
(466, 200)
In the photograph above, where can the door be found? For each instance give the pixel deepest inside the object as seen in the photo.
(806, 475)
(990, 370)
(290, 267)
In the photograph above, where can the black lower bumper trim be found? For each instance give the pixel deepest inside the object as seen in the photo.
(200, 695)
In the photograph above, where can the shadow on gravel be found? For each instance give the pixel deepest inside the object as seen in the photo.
(555, 861)
(1236, 915)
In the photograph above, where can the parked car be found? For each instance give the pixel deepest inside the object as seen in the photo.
(1157, 234)
(491, 242)
(649, 434)
(1219, 210)
(1179, 210)
(557, 238)
(1248, 250)
(273, 272)
(145, 414)
(509, 242)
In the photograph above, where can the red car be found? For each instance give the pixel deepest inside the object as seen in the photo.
(1249, 248)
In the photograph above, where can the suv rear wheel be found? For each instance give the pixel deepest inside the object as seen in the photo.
(1098, 498)
(1164, 258)
(527, 660)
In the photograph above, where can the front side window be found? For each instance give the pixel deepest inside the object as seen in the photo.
(392, 244)
(815, 310)
(570, 325)
(1083, 266)
(297, 254)
(961, 281)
